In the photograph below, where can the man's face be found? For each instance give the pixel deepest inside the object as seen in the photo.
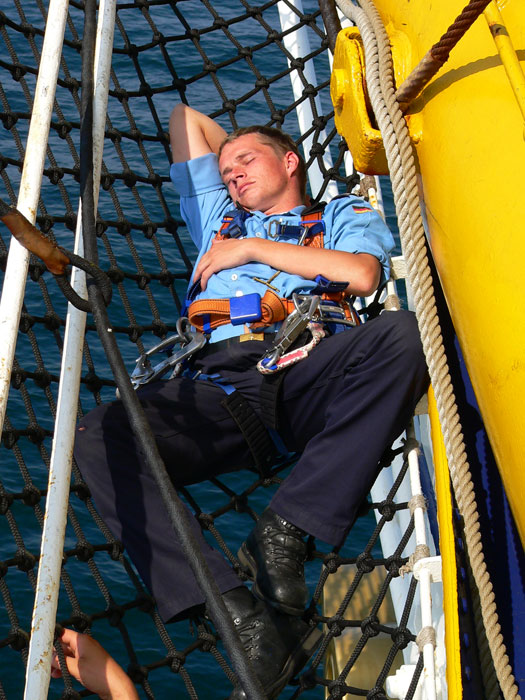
(256, 176)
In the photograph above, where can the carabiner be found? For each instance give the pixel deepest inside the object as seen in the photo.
(190, 342)
(291, 328)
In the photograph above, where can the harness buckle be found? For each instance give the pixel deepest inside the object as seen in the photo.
(190, 342)
(304, 233)
(274, 223)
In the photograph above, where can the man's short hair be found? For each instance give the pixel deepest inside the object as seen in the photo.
(280, 141)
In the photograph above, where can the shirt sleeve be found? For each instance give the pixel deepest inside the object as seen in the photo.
(357, 228)
(203, 196)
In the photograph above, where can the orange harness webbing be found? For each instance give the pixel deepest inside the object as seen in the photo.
(216, 312)
(213, 313)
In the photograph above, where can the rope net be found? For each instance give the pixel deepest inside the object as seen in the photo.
(230, 62)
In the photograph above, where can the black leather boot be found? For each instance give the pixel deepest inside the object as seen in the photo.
(274, 553)
(277, 645)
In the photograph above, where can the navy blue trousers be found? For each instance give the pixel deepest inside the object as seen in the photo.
(341, 408)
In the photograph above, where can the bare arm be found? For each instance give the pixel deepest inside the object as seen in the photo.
(361, 270)
(193, 134)
(90, 663)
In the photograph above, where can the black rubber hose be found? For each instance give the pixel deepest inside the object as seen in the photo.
(331, 21)
(139, 424)
(101, 280)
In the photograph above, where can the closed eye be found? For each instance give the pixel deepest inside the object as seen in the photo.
(242, 159)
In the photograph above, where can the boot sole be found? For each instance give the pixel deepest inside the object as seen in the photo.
(297, 660)
(248, 563)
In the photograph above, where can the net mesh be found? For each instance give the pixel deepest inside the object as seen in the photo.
(229, 61)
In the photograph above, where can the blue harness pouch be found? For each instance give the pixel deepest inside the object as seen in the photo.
(245, 309)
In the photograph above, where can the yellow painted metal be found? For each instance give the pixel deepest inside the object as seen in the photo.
(351, 106)
(448, 554)
(468, 128)
(507, 53)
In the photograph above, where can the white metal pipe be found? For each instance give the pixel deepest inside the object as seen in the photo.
(298, 45)
(46, 599)
(415, 483)
(429, 673)
(424, 578)
(17, 262)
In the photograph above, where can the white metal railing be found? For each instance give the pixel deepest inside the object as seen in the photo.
(46, 599)
(423, 573)
(17, 262)
(297, 44)
(427, 616)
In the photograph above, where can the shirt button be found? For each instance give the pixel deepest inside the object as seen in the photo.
(258, 234)
(239, 293)
(235, 276)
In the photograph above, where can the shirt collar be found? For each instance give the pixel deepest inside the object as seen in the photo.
(293, 212)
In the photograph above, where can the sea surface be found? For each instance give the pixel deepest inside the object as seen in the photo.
(206, 94)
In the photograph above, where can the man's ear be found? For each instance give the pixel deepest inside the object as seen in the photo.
(291, 161)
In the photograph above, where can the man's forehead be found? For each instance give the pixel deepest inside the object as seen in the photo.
(235, 151)
(246, 142)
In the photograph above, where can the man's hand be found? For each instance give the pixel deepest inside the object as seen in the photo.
(225, 254)
(90, 663)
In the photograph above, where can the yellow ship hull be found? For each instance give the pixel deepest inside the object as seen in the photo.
(467, 126)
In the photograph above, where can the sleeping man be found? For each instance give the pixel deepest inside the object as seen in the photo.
(243, 199)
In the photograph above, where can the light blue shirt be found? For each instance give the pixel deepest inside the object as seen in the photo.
(351, 225)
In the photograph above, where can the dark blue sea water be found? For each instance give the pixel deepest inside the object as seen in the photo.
(209, 93)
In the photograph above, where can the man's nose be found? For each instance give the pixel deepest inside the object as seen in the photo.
(238, 173)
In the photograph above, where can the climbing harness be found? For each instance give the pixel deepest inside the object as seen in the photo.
(325, 308)
(265, 444)
(309, 232)
(326, 304)
(260, 312)
(208, 314)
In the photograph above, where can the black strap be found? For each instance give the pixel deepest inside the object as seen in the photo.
(269, 395)
(257, 438)
(314, 208)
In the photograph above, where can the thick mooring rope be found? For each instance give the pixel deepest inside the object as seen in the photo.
(404, 185)
(439, 53)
